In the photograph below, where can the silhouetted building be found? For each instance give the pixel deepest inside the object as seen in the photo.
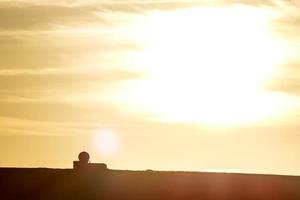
(84, 163)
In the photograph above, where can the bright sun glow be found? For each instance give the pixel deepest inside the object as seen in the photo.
(207, 65)
(106, 142)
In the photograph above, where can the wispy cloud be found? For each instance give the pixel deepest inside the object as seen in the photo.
(67, 55)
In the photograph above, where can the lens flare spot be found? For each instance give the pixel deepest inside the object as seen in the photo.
(106, 142)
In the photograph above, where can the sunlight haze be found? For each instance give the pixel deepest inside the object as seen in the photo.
(163, 85)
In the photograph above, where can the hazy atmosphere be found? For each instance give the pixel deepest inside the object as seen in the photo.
(151, 84)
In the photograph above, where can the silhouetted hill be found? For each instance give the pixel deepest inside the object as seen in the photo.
(56, 184)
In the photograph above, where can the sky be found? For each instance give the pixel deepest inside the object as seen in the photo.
(153, 84)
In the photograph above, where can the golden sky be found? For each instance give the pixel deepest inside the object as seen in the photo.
(152, 84)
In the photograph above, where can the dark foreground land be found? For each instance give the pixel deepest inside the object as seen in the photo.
(56, 184)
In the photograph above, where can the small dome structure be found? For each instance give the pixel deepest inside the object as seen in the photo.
(84, 157)
(84, 165)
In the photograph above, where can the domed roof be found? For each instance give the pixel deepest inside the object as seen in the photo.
(84, 157)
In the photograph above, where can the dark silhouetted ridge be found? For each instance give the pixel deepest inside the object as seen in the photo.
(56, 184)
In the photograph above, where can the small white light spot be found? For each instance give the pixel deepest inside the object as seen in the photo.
(106, 142)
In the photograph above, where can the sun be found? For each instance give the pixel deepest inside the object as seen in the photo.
(207, 65)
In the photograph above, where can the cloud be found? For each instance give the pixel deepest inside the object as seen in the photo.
(286, 27)
(50, 15)
(287, 81)
(287, 23)
(37, 17)
(34, 118)
(56, 86)
(58, 118)
(19, 126)
(287, 85)
(59, 60)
